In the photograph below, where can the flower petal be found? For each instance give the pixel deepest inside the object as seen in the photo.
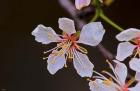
(82, 64)
(45, 35)
(121, 71)
(135, 64)
(92, 34)
(136, 88)
(81, 3)
(55, 63)
(124, 50)
(128, 34)
(67, 25)
(95, 85)
(137, 76)
(98, 85)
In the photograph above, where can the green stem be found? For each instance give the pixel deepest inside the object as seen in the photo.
(105, 18)
(96, 16)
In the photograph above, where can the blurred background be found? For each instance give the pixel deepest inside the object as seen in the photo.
(21, 64)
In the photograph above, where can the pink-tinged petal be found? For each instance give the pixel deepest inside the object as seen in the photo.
(137, 76)
(82, 64)
(135, 64)
(128, 34)
(45, 35)
(124, 50)
(67, 25)
(136, 88)
(99, 85)
(92, 34)
(81, 3)
(55, 63)
(121, 71)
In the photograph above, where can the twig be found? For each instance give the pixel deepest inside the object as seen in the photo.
(70, 8)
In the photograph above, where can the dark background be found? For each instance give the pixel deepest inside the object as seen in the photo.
(21, 64)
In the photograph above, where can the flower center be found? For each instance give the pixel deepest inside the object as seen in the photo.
(125, 88)
(65, 47)
(137, 41)
(73, 39)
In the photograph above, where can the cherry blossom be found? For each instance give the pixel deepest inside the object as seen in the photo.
(130, 46)
(67, 45)
(116, 82)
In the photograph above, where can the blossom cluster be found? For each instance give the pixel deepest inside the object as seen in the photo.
(68, 48)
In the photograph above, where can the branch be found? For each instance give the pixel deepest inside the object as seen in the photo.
(70, 8)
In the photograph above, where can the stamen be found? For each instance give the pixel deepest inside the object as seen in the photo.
(112, 77)
(70, 54)
(44, 58)
(137, 52)
(82, 49)
(99, 74)
(64, 49)
(55, 48)
(107, 82)
(131, 81)
(65, 65)
(104, 78)
(89, 80)
(59, 45)
(112, 68)
(98, 77)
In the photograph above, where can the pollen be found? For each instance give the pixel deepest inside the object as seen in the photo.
(107, 82)
(65, 66)
(132, 80)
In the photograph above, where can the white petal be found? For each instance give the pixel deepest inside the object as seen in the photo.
(81, 3)
(135, 64)
(124, 50)
(55, 63)
(67, 25)
(98, 85)
(94, 85)
(137, 76)
(82, 64)
(92, 34)
(45, 35)
(121, 71)
(136, 88)
(128, 34)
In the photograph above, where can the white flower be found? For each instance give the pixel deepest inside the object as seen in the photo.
(129, 46)
(81, 3)
(67, 47)
(116, 82)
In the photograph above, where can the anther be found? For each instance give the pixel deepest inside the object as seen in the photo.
(65, 65)
(88, 79)
(82, 49)
(44, 58)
